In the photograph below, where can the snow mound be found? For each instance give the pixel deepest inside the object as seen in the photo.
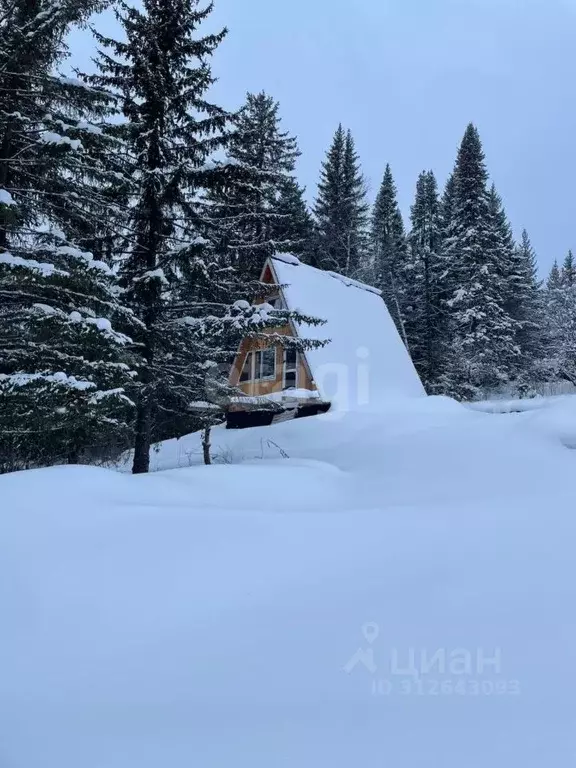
(557, 420)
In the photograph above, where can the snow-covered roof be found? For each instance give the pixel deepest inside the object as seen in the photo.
(366, 360)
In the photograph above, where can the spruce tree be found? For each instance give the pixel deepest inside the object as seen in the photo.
(560, 330)
(329, 206)
(252, 208)
(181, 272)
(501, 240)
(529, 310)
(341, 209)
(559, 315)
(447, 206)
(47, 138)
(63, 362)
(554, 278)
(388, 245)
(482, 332)
(160, 74)
(568, 276)
(512, 280)
(293, 229)
(424, 317)
(66, 372)
(356, 209)
(447, 273)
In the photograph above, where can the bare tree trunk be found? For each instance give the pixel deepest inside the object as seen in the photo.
(150, 238)
(143, 427)
(206, 445)
(142, 439)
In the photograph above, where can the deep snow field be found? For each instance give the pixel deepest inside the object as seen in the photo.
(211, 617)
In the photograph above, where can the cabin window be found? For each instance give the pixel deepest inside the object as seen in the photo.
(259, 366)
(290, 379)
(290, 358)
(246, 374)
(290, 369)
(266, 364)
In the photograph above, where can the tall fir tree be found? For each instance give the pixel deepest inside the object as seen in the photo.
(554, 279)
(483, 335)
(61, 357)
(512, 279)
(329, 204)
(66, 372)
(48, 142)
(423, 312)
(160, 74)
(447, 277)
(293, 229)
(341, 209)
(252, 208)
(559, 329)
(559, 322)
(181, 272)
(447, 206)
(528, 311)
(389, 248)
(568, 276)
(356, 210)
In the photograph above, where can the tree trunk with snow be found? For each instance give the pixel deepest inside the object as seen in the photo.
(206, 445)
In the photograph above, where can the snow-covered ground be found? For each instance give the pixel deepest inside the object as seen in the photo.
(518, 405)
(213, 616)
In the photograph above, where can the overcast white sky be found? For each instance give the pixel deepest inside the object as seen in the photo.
(407, 76)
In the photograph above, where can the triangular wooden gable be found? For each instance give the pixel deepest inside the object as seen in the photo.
(269, 277)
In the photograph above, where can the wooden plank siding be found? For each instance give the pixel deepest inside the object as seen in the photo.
(270, 386)
(267, 387)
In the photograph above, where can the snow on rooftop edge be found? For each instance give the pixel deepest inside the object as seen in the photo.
(289, 258)
(350, 283)
(366, 359)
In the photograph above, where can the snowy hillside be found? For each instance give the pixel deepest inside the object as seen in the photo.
(212, 616)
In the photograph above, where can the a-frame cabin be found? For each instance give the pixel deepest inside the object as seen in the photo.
(364, 360)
